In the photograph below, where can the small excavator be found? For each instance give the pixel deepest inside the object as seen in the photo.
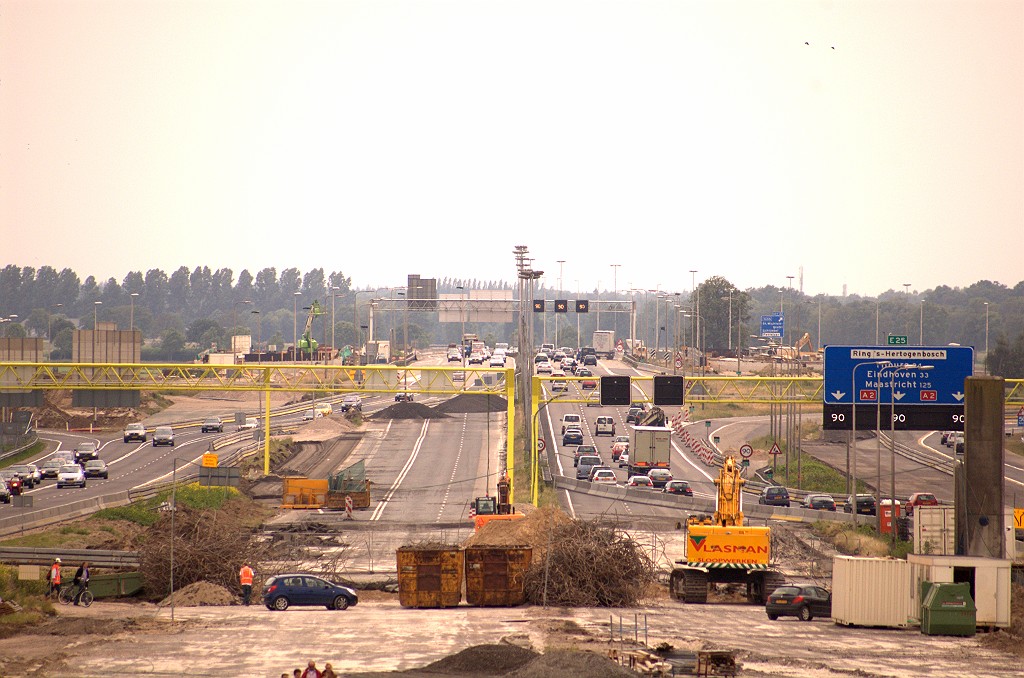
(487, 508)
(720, 549)
(307, 344)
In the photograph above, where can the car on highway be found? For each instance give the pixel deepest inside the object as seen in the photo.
(95, 468)
(476, 358)
(590, 360)
(594, 399)
(598, 467)
(774, 495)
(213, 425)
(84, 451)
(865, 505)
(633, 415)
(51, 467)
(544, 368)
(604, 425)
(558, 357)
(163, 435)
(71, 474)
(640, 481)
(572, 436)
(23, 472)
(324, 408)
(624, 458)
(803, 602)
(819, 502)
(352, 402)
(921, 499)
(589, 381)
(454, 355)
(497, 360)
(660, 476)
(559, 386)
(135, 431)
(604, 477)
(403, 397)
(619, 447)
(284, 590)
(678, 487)
(250, 424)
(569, 364)
(582, 450)
(583, 468)
(571, 420)
(310, 415)
(5, 492)
(37, 475)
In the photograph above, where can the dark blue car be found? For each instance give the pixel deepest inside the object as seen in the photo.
(284, 590)
(572, 436)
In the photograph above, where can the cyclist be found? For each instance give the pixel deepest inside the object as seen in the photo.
(81, 580)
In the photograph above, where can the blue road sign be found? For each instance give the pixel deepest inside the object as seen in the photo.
(860, 374)
(772, 326)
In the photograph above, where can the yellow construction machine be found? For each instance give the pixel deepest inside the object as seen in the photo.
(721, 550)
(487, 508)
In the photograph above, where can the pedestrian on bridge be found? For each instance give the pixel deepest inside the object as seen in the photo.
(245, 576)
(53, 576)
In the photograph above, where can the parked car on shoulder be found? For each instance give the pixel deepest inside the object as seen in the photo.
(84, 451)
(213, 425)
(802, 602)
(71, 474)
(95, 468)
(284, 590)
(819, 502)
(134, 431)
(163, 435)
(678, 487)
(774, 495)
(865, 505)
(921, 499)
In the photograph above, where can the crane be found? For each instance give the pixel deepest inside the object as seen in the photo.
(307, 343)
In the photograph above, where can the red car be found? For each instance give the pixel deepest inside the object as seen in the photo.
(921, 499)
(618, 449)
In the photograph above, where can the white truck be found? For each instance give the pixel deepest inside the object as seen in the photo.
(604, 343)
(649, 447)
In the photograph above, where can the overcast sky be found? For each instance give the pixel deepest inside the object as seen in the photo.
(385, 138)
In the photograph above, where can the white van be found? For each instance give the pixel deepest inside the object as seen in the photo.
(571, 420)
(605, 425)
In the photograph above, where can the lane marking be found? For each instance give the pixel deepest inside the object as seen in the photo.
(377, 512)
(455, 468)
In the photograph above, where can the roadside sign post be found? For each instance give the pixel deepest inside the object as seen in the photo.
(773, 326)
(1020, 417)
(746, 451)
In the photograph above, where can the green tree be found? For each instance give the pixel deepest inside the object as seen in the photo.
(172, 342)
(63, 340)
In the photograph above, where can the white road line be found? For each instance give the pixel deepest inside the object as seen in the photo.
(405, 471)
(455, 467)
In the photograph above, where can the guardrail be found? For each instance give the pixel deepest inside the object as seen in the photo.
(19, 450)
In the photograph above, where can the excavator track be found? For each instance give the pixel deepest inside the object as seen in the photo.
(690, 586)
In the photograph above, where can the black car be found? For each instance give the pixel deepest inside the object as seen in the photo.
(865, 505)
(678, 487)
(803, 602)
(633, 415)
(820, 502)
(283, 590)
(589, 360)
(572, 436)
(95, 468)
(403, 397)
(85, 451)
(774, 495)
(213, 425)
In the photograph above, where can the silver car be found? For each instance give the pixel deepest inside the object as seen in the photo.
(71, 474)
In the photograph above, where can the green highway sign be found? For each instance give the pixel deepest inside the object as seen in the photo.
(896, 340)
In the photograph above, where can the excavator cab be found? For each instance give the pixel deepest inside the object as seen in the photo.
(489, 508)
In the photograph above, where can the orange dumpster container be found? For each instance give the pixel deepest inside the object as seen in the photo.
(495, 575)
(429, 576)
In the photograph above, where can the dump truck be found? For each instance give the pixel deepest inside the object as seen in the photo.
(720, 549)
(604, 343)
(649, 447)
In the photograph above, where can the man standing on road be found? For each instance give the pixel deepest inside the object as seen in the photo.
(54, 576)
(81, 580)
(245, 577)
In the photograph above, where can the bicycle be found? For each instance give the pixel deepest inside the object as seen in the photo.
(66, 595)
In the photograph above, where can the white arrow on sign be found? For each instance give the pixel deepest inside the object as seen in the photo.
(838, 395)
(958, 395)
(898, 395)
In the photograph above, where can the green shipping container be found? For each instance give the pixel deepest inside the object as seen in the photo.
(948, 610)
(114, 585)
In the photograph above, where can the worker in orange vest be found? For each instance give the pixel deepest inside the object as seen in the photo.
(54, 576)
(245, 577)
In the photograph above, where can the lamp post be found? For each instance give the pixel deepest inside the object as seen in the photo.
(334, 324)
(878, 303)
(462, 317)
(259, 337)
(892, 444)
(790, 278)
(131, 313)
(95, 306)
(295, 325)
(921, 326)
(615, 292)
(561, 268)
(986, 337)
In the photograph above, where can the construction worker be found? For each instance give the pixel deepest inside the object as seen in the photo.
(245, 577)
(53, 576)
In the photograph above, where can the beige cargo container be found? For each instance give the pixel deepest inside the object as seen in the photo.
(872, 592)
(989, 579)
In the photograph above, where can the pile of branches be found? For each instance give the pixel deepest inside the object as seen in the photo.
(208, 546)
(587, 565)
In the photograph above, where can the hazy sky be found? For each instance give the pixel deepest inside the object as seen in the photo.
(385, 138)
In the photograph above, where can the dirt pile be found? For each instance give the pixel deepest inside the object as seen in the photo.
(199, 594)
(569, 663)
(322, 428)
(534, 530)
(406, 410)
(496, 660)
(471, 403)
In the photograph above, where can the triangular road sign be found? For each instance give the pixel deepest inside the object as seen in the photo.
(775, 449)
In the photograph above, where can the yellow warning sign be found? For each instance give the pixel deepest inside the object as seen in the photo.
(1018, 519)
(210, 460)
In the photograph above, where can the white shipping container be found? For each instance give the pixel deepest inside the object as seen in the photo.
(871, 592)
(990, 577)
(934, 530)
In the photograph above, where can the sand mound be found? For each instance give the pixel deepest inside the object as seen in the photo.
(411, 410)
(569, 663)
(201, 593)
(533, 530)
(321, 429)
(495, 660)
(472, 403)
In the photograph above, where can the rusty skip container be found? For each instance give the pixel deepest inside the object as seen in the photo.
(430, 576)
(495, 575)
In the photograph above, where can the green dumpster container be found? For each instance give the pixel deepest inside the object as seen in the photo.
(114, 585)
(948, 610)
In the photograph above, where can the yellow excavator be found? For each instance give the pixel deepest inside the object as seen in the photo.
(720, 549)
